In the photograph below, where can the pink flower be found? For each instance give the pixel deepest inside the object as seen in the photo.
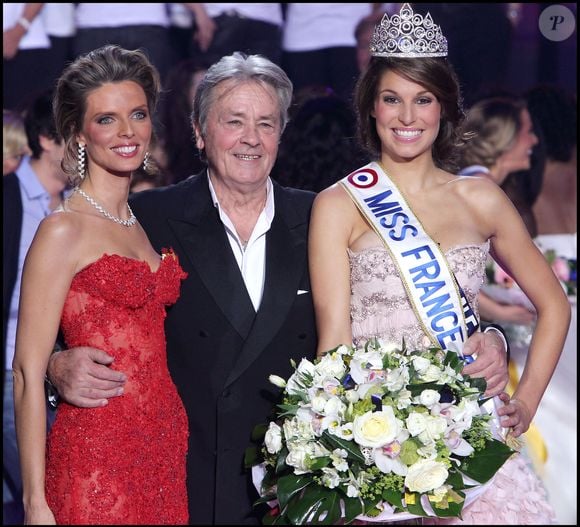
(561, 269)
(502, 278)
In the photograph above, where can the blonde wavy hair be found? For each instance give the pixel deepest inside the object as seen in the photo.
(14, 139)
(489, 130)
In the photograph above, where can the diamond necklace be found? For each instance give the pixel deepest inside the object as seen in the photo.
(127, 223)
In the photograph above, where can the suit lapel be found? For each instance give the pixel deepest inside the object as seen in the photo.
(285, 263)
(204, 241)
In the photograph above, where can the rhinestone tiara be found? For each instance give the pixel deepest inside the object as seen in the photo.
(408, 35)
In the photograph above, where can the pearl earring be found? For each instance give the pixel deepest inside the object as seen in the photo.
(146, 161)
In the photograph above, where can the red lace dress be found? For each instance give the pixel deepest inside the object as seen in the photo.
(123, 463)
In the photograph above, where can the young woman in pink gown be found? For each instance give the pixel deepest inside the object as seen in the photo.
(408, 109)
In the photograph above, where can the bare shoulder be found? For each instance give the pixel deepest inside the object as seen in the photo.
(60, 227)
(58, 236)
(334, 198)
(477, 190)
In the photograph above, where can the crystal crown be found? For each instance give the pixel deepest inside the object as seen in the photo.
(408, 35)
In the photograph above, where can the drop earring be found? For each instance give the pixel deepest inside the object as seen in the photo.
(81, 161)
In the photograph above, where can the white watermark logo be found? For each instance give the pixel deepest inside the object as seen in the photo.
(557, 22)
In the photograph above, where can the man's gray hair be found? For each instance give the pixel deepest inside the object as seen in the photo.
(241, 68)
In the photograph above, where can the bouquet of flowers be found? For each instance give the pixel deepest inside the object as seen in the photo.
(376, 433)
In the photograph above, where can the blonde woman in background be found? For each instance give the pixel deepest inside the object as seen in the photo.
(502, 140)
(14, 141)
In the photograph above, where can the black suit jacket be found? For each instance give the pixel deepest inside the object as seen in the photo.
(220, 351)
(11, 230)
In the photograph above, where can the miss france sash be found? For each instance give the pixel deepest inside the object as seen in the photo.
(435, 295)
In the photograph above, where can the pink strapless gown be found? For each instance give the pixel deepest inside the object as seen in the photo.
(380, 308)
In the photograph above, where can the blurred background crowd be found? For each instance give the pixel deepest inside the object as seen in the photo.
(519, 88)
(322, 47)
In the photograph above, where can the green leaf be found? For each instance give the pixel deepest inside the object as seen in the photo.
(264, 499)
(351, 447)
(259, 432)
(417, 508)
(370, 504)
(316, 506)
(485, 463)
(287, 409)
(291, 484)
(281, 461)
(318, 463)
(479, 383)
(453, 510)
(352, 508)
(393, 497)
(252, 456)
(453, 360)
(455, 479)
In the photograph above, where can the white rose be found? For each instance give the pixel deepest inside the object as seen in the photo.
(375, 429)
(416, 423)
(298, 428)
(397, 379)
(318, 403)
(297, 457)
(273, 438)
(431, 374)
(334, 406)
(421, 364)
(404, 399)
(425, 475)
(429, 397)
(330, 365)
(436, 427)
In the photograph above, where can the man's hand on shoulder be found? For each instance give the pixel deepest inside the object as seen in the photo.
(82, 377)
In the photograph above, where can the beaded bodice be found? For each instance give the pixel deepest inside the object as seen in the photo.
(379, 305)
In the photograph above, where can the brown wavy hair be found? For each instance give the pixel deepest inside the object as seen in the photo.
(436, 75)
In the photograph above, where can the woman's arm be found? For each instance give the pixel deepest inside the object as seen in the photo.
(47, 274)
(328, 241)
(515, 251)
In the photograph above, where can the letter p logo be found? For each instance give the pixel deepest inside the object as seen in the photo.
(557, 22)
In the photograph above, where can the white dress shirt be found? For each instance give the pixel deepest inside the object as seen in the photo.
(251, 259)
